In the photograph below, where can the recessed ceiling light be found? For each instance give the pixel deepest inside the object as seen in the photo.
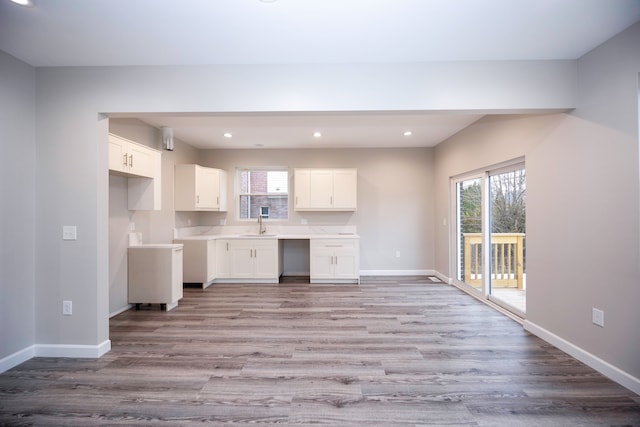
(227, 135)
(317, 134)
(27, 3)
(268, 1)
(408, 133)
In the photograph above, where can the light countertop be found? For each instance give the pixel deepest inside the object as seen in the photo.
(269, 236)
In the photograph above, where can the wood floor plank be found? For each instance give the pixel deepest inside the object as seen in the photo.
(392, 351)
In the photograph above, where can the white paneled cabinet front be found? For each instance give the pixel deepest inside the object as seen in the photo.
(142, 166)
(198, 188)
(334, 260)
(131, 158)
(249, 259)
(326, 189)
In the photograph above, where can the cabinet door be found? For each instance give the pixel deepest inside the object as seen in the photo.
(141, 161)
(206, 183)
(345, 189)
(222, 259)
(321, 189)
(301, 186)
(265, 260)
(211, 260)
(118, 157)
(345, 264)
(177, 263)
(321, 262)
(240, 259)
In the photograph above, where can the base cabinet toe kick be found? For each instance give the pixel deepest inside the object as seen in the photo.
(223, 259)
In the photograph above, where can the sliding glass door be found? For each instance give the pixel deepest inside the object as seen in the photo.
(489, 237)
(507, 197)
(469, 195)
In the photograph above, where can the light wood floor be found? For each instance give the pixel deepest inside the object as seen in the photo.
(390, 352)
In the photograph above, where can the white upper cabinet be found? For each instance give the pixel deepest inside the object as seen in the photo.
(326, 189)
(143, 168)
(198, 188)
(131, 158)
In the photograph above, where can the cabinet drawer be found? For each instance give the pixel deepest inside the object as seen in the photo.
(334, 243)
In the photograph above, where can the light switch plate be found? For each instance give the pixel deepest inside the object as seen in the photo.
(597, 317)
(69, 232)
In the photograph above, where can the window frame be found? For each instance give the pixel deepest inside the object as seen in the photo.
(239, 194)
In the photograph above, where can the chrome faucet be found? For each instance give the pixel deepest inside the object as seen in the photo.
(262, 228)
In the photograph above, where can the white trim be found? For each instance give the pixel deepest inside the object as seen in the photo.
(443, 277)
(72, 350)
(122, 310)
(248, 281)
(397, 272)
(53, 350)
(616, 374)
(16, 358)
(296, 273)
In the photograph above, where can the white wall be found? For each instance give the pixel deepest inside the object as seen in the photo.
(582, 208)
(395, 187)
(17, 210)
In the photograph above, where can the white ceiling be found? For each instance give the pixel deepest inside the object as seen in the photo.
(187, 32)
(291, 130)
(178, 32)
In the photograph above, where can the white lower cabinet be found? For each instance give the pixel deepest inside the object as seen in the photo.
(155, 275)
(252, 260)
(334, 261)
(199, 261)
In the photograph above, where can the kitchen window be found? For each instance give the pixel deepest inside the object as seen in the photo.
(263, 192)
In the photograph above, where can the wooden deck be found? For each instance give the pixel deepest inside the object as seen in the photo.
(390, 352)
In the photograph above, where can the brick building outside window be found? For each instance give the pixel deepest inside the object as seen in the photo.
(263, 191)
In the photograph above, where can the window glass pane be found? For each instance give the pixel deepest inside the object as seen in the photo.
(277, 182)
(263, 192)
(243, 178)
(469, 220)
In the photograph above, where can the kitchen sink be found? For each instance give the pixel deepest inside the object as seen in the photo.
(258, 235)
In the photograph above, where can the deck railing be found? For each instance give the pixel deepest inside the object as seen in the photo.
(507, 260)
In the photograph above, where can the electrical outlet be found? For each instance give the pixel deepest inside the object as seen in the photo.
(67, 308)
(597, 317)
(397, 254)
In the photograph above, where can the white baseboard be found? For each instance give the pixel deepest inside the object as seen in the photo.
(122, 310)
(443, 277)
(54, 350)
(72, 350)
(605, 368)
(17, 358)
(296, 273)
(397, 272)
